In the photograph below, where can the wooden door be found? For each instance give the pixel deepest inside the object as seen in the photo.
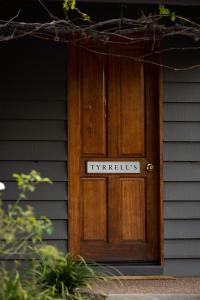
(113, 117)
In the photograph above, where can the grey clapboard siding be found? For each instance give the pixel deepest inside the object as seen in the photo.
(36, 91)
(182, 210)
(174, 151)
(44, 192)
(182, 248)
(182, 165)
(182, 131)
(53, 209)
(181, 92)
(33, 130)
(175, 191)
(60, 244)
(54, 170)
(183, 76)
(182, 112)
(59, 232)
(184, 267)
(182, 171)
(182, 229)
(33, 120)
(33, 70)
(45, 110)
(33, 150)
(182, 60)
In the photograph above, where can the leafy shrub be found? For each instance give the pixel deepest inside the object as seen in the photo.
(51, 275)
(65, 275)
(20, 231)
(13, 287)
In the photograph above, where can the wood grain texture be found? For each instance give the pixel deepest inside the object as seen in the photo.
(94, 209)
(132, 107)
(93, 106)
(133, 209)
(123, 225)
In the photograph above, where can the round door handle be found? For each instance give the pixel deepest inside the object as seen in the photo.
(150, 167)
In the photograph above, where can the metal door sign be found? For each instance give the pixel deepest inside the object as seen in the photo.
(113, 167)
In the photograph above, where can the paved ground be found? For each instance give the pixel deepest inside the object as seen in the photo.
(175, 285)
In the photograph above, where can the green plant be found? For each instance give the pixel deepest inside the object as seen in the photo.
(71, 5)
(21, 234)
(20, 230)
(65, 276)
(51, 275)
(13, 287)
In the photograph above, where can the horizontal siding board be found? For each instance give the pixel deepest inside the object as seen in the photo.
(182, 151)
(180, 60)
(44, 192)
(32, 130)
(182, 249)
(52, 209)
(55, 110)
(61, 245)
(54, 170)
(182, 131)
(182, 171)
(59, 230)
(40, 92)
(33, 150)
(182, 75)
(182, 112)
(182, 267)
(181, 92)
(43, 58)
(182, 210)
(182, 191)
(34, 70)
(182, 229)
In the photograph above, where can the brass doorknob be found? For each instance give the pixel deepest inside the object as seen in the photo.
(149, 167)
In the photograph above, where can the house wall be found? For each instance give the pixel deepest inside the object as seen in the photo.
(33, 135)
(33, 125)
(182, 163)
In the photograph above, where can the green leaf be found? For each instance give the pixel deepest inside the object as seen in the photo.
(163, 10)
(173, 16)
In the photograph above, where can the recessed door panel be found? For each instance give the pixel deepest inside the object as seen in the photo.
(133, 209)
(92, 97)
(94, 209)
(132, 107)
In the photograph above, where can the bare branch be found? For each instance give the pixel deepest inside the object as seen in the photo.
(48, 11)
(124, 31)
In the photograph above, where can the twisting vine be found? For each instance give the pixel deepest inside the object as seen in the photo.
(126, 31)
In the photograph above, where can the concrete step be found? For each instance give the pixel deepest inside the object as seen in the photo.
(145, 296)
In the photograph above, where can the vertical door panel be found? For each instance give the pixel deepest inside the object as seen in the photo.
(132, 107)
(94, 209)
(133, 209)
(92, 94)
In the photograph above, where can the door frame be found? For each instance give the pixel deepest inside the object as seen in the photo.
(74, 152)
